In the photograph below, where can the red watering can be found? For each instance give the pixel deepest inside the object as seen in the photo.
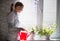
(23, 35)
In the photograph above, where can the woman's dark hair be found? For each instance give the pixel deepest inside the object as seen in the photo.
(19, 4)
(11, 8)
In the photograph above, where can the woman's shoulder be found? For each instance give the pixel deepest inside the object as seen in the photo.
(11, 13)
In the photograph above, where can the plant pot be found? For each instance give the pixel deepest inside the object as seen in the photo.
(48, 37)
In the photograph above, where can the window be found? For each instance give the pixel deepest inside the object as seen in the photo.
(28, 17)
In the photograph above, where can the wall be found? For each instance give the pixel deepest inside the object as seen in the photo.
(4, 9)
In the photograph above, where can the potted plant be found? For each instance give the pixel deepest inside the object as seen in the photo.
(47, 31)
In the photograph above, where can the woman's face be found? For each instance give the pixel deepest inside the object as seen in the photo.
(19, 9)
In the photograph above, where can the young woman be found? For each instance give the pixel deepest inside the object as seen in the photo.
(13, 21)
